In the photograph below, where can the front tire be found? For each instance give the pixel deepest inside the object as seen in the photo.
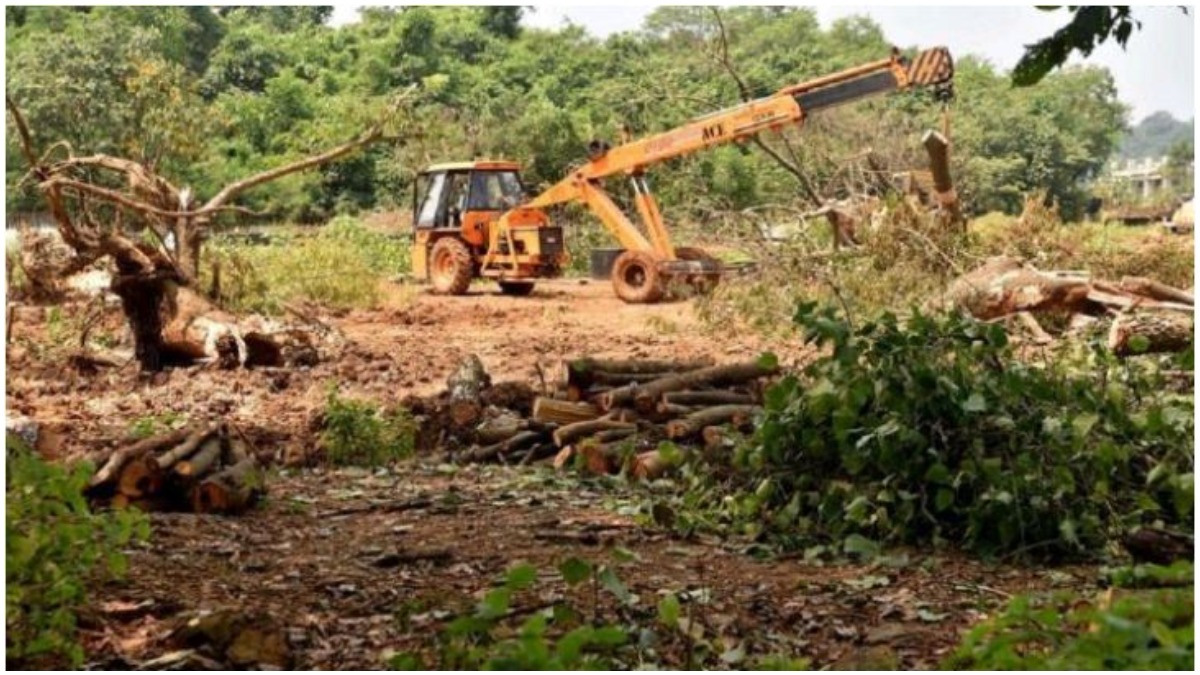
(516, 288)
(451, 268)
(636, 278)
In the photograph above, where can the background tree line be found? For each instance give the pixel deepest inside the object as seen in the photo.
(208, 95)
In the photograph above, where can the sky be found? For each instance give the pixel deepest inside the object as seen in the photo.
(1155, 72)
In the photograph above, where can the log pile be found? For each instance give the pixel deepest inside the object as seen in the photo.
(200, 469)
(604, 416)
(1147, 316)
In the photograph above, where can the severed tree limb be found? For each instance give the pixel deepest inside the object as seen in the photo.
(116, 461)
(1157, 290)
(710, 397)
(570, 433)
(646, 396)
(1146, 331)
(694, 423)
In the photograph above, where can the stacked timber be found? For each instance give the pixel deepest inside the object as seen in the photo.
(608, 416)
(198, 469)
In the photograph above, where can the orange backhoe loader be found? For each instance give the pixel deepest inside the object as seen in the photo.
(471, 219)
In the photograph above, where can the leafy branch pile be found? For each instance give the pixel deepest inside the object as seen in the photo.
(1143, 630)
(54, 546)
(930, 431)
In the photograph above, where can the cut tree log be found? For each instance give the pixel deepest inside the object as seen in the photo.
(582, 373)
(182, 451)
(1146, 331)
(563, 457)
(538, 452)
(611, 435)
(693, 424)
(714, 437)
(229, 491)
(1002, 286)
(139, 479)
(601, 458)
(204, 459)
(563, 412)
(465, 413)
(707, 398)
(1159, 546)
(649, 465)
(499, 450)
(572, 432)
(1154, 289)
(646, 396)
(498, 429)
(667, 410)
(117, 461)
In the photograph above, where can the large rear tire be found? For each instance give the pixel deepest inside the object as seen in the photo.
(516, 288)
(636, 278)
(450, 266)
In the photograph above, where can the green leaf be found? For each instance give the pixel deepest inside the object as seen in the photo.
(574, 571)
(1083, 424)
(611, 583)
(1138, 344)
(624, 555)
(768, 361)
(856, 544)
(494, 604)
(944, 499)
(668, 611)
(521, 576)
(975, 403)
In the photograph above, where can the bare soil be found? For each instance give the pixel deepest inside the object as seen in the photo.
(351, 564)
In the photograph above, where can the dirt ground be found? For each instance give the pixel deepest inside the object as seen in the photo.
(350, 565)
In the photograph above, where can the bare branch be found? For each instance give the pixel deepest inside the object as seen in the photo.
(23, 130)
(748, 95)
(375, 133)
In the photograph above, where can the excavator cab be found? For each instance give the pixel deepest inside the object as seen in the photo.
(457, 233)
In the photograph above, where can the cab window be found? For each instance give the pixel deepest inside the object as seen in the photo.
(495, 191)
(431, 193)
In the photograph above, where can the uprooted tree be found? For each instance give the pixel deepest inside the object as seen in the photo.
(101, 205)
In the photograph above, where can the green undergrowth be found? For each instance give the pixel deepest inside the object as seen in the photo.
(359, 433)
(931, 431)
(55, 548)
(906, 256)
(1147, 629)
(340, 266)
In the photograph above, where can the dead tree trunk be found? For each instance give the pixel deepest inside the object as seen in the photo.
(148, 277)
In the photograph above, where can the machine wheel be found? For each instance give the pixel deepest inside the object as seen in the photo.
(701, 283)
(636, 278)
(450, 266)
(517, 288)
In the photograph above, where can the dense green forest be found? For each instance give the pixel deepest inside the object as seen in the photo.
(209, 95)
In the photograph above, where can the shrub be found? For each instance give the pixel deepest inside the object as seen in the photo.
(1146, 630)
(932, 431)
(341, 266)
(55, 546)
(357, 433)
